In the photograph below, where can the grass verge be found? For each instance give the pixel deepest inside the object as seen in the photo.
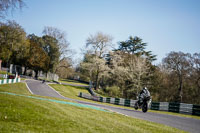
(22, 114)
(19, 88)
(69, 91)
(74, 82)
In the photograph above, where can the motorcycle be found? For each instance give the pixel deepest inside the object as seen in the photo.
(143, 102)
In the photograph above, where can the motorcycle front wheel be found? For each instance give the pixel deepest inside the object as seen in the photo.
(144, 107)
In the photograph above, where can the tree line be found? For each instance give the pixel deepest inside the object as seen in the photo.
(123, 71)
(48, 53)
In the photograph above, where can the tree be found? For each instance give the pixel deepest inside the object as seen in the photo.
(13, 42)
(64, 68)
(22, 55)
(193, 81)
(48, 47)
(38, 59)
(196, 68)
(178, 63)
(129, 70)
(96, 68)
(5, 5)
(136, 46)
(52, 49)
(131, 66)
(64, 50)
(60, 36)
(98, 46)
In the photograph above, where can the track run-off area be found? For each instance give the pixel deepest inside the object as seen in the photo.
(183, 123)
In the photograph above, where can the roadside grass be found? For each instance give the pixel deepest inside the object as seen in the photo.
(68, 81)
(69, 91)
(21, 114)
(19, 88)
(73, 92)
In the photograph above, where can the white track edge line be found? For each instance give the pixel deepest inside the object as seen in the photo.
(55, 91)
(28, 88)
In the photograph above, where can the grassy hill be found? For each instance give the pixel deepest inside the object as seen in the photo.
(24, 114)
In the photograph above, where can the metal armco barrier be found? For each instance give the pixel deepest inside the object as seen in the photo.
(127, 103)
(174, 107)
(155, 105)
(9, 81)
(162, 106)
(108, 99)
(196, 110)
(117, 101)
(182, 108)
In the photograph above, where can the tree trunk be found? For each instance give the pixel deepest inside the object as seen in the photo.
(198, 82)
(96, 83)
(25, 69)
(180, 88)
(36, 74)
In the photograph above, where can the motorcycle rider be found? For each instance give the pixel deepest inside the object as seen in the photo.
(144, 92)
(144, 100)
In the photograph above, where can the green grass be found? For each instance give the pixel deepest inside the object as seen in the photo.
(21, 114)
(19, 88)
(69, 91)
(68, 81)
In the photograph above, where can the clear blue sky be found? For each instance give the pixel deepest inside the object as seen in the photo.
(166, 25)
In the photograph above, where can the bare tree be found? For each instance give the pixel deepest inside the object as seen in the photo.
(65, 68)
(5, 5)
(196, 68)
(99, 43)
(64, 49)
(180, 64)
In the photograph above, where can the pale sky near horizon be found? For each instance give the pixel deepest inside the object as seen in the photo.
(165, 25)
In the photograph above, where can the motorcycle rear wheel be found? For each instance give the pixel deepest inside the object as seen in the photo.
(136, 106)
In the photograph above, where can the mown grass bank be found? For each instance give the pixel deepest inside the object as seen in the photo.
(73, 82)
(19, 88)
(22, 114)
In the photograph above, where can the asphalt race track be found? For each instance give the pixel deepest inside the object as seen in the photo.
(186, 124)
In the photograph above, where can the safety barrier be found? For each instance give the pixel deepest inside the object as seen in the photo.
(116, 101)
(182, 108)
(162, 106)
(9, 81)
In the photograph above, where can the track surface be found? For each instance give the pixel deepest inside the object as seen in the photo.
(187, 124)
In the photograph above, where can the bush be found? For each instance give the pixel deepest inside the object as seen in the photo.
(114, 91)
